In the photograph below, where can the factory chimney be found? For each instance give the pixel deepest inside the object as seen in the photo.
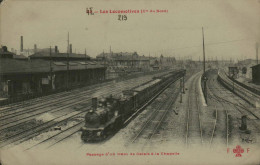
(56, 49)
(21, 44)
(35, 48)
(70, 48)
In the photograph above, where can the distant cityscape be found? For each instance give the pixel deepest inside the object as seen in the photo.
(44, 70)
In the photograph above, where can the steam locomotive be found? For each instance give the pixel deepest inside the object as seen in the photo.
(109, 114)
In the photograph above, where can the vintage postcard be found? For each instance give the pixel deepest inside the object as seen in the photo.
(129, 82)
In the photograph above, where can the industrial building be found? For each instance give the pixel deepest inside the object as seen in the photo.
(131, 61)
(43, 73)
(124, 61)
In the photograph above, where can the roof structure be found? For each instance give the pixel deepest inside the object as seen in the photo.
(255, 66)
(21, 57)
(14, 66)
(4, 53)
(117, 54)
(43, 55)
(123, 56)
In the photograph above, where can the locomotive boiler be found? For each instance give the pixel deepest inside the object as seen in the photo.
(107, 115)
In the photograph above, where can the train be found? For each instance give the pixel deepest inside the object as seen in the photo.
(108, 115)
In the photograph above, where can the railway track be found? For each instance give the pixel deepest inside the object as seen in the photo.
(155, 119)
(240, 91)
(242, 106)
(63, 95)
(11, 120)
(57, 138)
(53, 101)
(46, 98)
(228, 107)
(221, 125)
(5, 124)
(19, 136)
(66, 134)
(193, 120)
(32, 132)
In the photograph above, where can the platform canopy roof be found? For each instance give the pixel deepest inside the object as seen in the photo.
(14, 66)
(43, 55)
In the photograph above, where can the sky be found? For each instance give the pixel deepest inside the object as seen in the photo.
(231, 27)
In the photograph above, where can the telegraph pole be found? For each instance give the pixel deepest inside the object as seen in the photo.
(132, 62)
(204, 77)
(203, 51)
(85, 58)
(104, 58)
(183, 85)
(51, 67)
(149, 59)
(68, 61)
(180, 91)
(257, 45)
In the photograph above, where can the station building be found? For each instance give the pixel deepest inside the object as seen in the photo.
(44, 72)
(132, 62)
(124, 61)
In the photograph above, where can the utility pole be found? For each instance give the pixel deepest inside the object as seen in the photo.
(132, 61)
(203, 51)
(149, 62)
(104, 58)
(85, 58)
(257, 45)
(51, 67)
(68, 61)
(180, 91)
(204, 77)
(183, 85)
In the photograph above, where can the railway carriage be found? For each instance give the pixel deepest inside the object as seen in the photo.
(108, 115)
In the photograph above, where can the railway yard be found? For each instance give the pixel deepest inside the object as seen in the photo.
(64, 111)
(176, 117)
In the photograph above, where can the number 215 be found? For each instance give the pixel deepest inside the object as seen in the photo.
(122, 17)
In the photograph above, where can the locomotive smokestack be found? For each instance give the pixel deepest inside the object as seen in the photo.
(94, 103)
